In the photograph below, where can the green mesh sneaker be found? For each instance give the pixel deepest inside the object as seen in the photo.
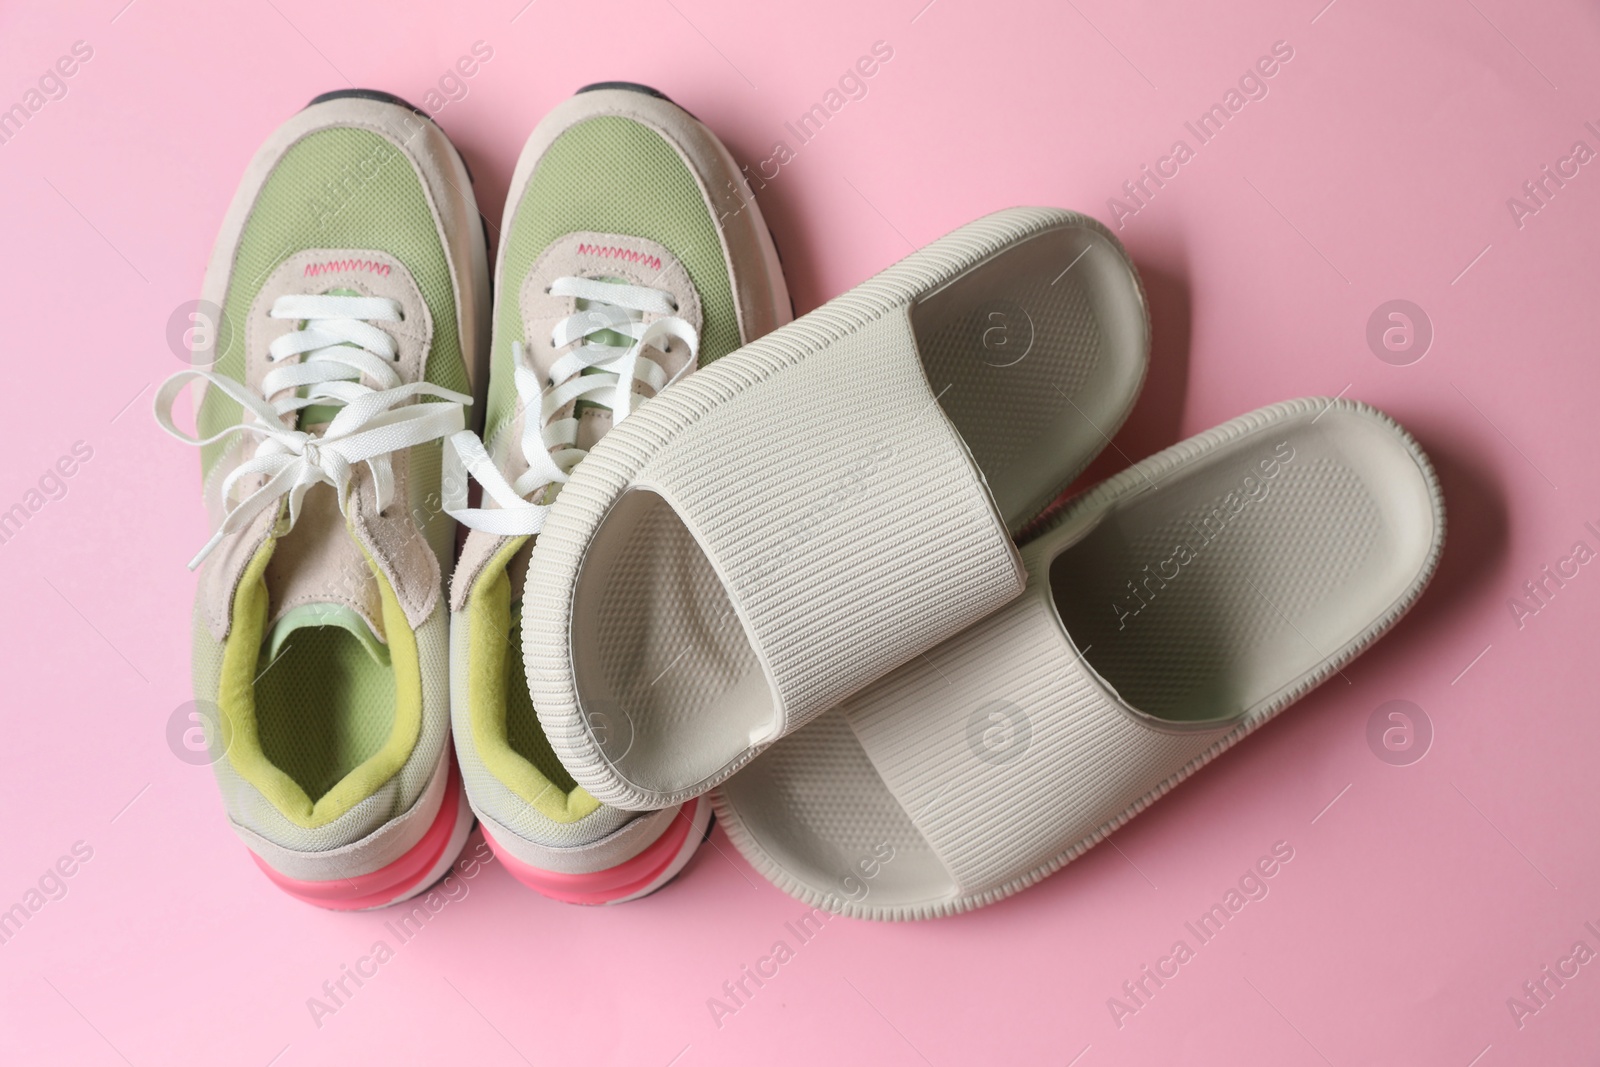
(352, 278)
(632, 253)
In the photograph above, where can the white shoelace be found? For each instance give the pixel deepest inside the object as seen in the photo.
(341, 348)
(593, 370)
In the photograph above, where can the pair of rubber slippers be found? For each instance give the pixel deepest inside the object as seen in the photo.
(803, 564)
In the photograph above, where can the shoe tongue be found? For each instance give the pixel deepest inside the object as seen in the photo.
(599, 420)
(321, 414)
(542, 357)
(308, 616)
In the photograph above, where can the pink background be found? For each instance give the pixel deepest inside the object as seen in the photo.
(1378, 167)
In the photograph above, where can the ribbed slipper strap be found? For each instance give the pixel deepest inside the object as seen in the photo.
(843, 513)
(1011, 746)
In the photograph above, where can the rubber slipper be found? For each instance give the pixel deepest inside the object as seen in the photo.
(784, 527)
(1169, 611)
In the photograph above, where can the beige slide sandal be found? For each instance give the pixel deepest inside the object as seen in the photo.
(1169, 611)
(791, 523)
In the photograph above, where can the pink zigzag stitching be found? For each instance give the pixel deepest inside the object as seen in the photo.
(337, 265)
(613, 252)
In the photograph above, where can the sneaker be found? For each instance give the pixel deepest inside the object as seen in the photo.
(352, 277)
(632, 253)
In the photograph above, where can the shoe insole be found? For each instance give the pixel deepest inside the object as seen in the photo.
(1034, 355)
(324, 706)
(816, 807)
(1300, 539)
(1212, 592)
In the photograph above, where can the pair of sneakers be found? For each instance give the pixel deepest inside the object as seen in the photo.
(358, 342)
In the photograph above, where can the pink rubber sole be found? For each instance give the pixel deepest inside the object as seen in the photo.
(644, 873)
(421, 865)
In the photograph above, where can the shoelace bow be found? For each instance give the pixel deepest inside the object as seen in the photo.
(341, 349)
(594, 369)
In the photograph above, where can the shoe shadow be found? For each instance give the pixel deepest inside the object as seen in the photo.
(1156, 420)
(793, 239)
(1477, 531)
